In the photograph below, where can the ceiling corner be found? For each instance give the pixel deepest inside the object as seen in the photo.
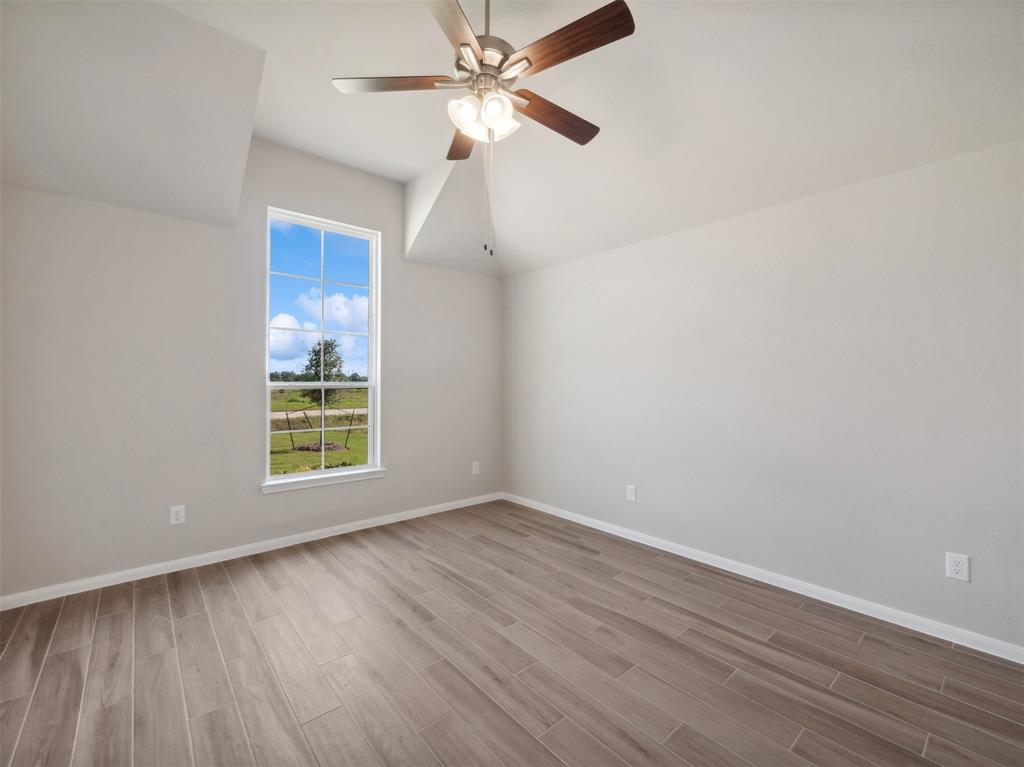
(128, 103)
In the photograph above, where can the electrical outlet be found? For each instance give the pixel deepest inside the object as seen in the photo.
(177, 515)
(958, 566)
(631, 492)
(476, 467)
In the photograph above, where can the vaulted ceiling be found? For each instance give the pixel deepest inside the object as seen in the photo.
(128, 103)
(710, 110)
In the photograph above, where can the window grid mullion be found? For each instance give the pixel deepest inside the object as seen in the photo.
(323, 376)
(315, 384)
(325, 385)
(360, 333)
(317, 279)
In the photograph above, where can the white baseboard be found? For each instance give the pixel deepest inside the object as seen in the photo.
(121, 576)
(935, 628)
(991, 645)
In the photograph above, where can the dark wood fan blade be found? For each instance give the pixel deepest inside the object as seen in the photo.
(454, 24)
(384, 84)
(461, 148)
(553, 116)
(603, 26)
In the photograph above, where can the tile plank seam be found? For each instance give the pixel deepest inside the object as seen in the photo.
(261, 575)
(35, 685)
(181, 676)
(85, 675)
(397, 554)
(224, 665)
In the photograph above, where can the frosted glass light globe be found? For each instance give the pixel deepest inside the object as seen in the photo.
(478, 132)
(496, 110)
(464, 112)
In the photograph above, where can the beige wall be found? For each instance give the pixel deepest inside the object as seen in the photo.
(830, 389)
(133, 377)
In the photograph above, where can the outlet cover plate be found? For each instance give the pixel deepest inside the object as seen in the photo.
(177, 515)
(958, 566)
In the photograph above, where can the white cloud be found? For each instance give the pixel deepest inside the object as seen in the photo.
(345, 345)
(341, 312)
(309, 302)
(284, 320)
(289, 350)
(353, 352)
(286, 345)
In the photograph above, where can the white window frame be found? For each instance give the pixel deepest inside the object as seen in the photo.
(276, 482)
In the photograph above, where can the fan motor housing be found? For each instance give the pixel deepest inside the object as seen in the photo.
(495, 53)
(496, 50)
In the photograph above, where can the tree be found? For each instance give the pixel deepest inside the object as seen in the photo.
(283, 375)
(332, 365)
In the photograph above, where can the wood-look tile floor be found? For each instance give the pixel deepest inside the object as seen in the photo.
(486, 636)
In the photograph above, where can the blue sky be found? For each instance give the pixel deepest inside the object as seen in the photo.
(295, 249)
(295, 304)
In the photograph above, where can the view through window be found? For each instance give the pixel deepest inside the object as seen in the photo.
(321, 346)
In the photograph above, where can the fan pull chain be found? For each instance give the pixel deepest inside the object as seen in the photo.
(488, 174)
(487, 228)
(488, 161)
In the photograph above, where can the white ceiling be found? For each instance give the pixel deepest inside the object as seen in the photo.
(757, 104)
(307, 44)
(128, 103)
(710, 110)
(457, 227)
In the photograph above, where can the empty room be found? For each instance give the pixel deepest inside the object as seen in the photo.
(526, 383)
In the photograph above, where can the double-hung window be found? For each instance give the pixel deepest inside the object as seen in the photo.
(323, 383)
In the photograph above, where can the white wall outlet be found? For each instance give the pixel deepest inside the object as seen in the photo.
(630, 492)
(476, 467)
(958, 566)
(177, 515)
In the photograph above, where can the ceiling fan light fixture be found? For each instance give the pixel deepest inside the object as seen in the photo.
(488, 65)
(464, 112)
(496, 110)
(480, 119)
(479, 132)
(510, 127)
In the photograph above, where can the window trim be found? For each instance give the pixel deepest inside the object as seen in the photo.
(373, 469)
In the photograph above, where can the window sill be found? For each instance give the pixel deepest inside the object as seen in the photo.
(297, 483)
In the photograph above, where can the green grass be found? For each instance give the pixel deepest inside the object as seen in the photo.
(303, 413)
(295, 399)
(285, 460)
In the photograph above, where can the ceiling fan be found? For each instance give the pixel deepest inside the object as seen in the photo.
(488, 66)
